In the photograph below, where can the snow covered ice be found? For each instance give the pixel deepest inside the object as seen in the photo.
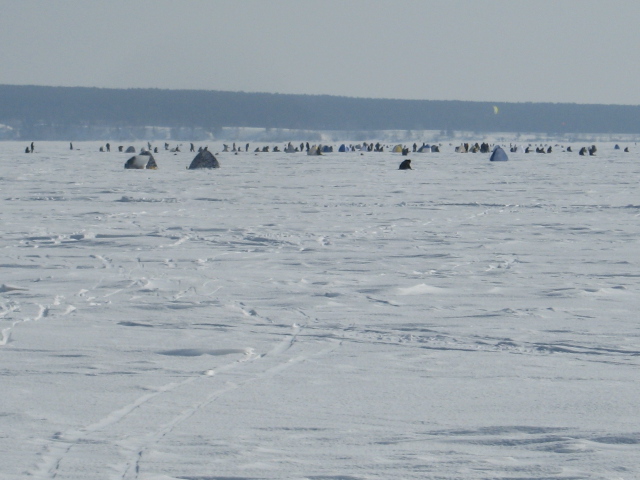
(321, 318)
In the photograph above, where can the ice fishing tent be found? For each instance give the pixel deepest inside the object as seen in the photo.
(315, 150)
(424, 149)
(204, 159)
(397, 149)
(143, 161)
(343, 148)
(130, 149)
(499, 155)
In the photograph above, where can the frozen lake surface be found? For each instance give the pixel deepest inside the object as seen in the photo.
(321, 318)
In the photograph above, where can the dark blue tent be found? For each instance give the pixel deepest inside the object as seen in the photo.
(204, 159)
(342, 148)
(499, 155)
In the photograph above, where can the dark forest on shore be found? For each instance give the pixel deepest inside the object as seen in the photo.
(63, 113)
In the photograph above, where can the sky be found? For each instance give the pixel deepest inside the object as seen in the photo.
(576, 51)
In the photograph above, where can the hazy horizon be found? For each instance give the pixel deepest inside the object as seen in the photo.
(495, 50)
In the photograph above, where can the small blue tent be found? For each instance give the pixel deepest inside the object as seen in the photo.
(499, 155)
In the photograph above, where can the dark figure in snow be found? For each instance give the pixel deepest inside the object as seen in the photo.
(405, 165)
(32, 147)
(193, 148)
(108, 147)
(70, 146)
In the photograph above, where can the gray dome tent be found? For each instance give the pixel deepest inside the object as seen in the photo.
(204, 159)
(142, 161)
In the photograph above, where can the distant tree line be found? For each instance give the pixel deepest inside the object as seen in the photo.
(37, 112)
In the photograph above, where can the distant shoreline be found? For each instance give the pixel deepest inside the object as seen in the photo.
(80, 113)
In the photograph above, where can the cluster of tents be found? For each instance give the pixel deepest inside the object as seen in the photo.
(145, 160)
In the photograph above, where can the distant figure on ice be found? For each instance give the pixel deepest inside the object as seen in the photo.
(193, 148)
(405, 165)
(70, 146)
(32, 147)
(108, 147)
